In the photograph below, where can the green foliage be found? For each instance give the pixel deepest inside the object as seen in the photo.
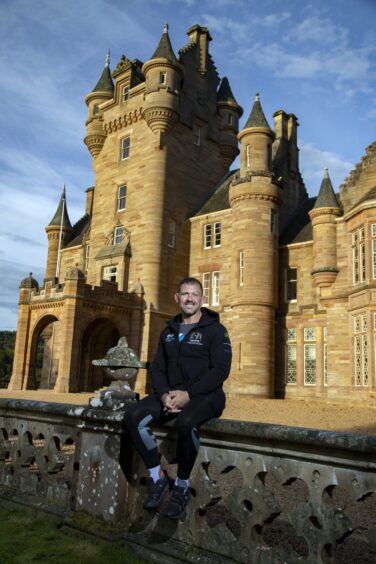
(7, 340)
(28, 536)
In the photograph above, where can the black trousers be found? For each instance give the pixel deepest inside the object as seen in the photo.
(149, 410)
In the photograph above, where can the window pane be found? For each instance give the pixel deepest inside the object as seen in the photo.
(118, 235)
(125, 148)
(122, 197)
(206, 287)
(171, 233)
(309, 365)
(241, 268)
(126, 92)
(207, 235)
(217, 234)
(110, 273)
(215, 288)
(291, 283)
(291, 364)
(196, 135)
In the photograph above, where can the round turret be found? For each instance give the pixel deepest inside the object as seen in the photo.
(59, 233)
(230, 112)
(102, 91)
(163, 75)
(256, 140)
(323, 217)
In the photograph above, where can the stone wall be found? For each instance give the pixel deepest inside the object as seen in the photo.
(261, 493)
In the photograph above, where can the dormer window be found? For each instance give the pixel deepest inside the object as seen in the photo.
(125, 92)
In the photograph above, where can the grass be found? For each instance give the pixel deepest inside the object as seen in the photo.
(30, 536)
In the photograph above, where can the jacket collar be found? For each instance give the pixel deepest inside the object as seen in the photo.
(208, 317)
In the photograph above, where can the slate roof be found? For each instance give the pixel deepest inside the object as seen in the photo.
(299, 228)
(371, 195)
(224, 93)
(256, 117)
(105, 83)
(29, 282)
(164, 49)
(56, 220)
(326, 197)
(219, 199)
(80, 228)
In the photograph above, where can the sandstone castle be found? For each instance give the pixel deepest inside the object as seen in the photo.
(293, 277)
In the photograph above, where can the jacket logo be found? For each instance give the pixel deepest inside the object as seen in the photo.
(170, 337)
(195, 338)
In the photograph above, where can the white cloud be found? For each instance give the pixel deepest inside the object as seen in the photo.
(312, 163)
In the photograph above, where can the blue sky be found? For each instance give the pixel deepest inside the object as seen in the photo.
(314, 59)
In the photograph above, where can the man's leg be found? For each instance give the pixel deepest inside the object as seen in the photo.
(137, 422)
(193, 415)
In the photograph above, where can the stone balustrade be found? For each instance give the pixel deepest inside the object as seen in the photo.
(260, 493)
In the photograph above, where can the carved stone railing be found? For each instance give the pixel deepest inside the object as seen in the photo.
(261, 493)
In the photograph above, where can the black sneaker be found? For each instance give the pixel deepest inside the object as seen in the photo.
(177, 503)
(156, 492)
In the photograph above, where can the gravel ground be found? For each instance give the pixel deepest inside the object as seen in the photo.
(315, 414)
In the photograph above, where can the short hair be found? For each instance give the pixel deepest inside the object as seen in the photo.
(190, 280)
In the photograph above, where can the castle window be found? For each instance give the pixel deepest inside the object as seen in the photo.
(122, 198)
(248, 155)
(273, 221)
(96, 109)
(118, 234)
(309, 356)
(87, 251)
(207, 236)
(361, 349)
(125, 92)
(325, 371)
(230, 119)
(162, 77)
(241, 268)
(358, 256)
(196, 135)
(125, 148)
(206, 288)
(211, 291)
(291, 284)
(110, 273)
(212, 235)
(215, 288)
(217, 234)
(373, 234)
(291, 356)
(171, 233)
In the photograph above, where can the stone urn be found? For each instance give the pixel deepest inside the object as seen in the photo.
(121, 365)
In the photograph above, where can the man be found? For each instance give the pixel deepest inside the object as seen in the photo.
(192, 361)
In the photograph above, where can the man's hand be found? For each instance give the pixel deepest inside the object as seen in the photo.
(175, 400)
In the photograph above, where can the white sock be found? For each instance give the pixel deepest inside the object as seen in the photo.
(155, 472)
(182, 483)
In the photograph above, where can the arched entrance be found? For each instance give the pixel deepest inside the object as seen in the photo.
(44, 354)
(98, 337)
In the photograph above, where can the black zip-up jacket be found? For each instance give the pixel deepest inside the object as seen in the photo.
(198, 364)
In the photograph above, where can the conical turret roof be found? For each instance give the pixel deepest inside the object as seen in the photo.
(105, 83)
(61, 217)
(256, 117)
(224, 93)
(164, 49)
(29, 282)
(326, 197)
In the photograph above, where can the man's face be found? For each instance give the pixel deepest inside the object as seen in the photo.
(189, 299)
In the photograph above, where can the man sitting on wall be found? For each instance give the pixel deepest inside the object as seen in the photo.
(192, 361)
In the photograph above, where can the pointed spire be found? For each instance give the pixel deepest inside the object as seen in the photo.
(256, 117)
(326, 197)
(224, 93)
(56, 220)
(164, 49)
(105, 83)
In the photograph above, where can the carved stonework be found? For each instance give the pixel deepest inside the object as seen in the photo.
(160, 120)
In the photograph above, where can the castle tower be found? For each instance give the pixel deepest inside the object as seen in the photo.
(230, 112)
(102, 91)
(323, 217)
(163, 75)
(254, 201)
(59, 233)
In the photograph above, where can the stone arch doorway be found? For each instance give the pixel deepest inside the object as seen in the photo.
(44, 354)
(98, 337)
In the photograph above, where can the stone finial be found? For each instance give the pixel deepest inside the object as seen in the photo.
(107, 63)
(165, 28)
(326, 172)
(257, 97)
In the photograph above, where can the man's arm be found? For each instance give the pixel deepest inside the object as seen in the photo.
(220, 364)
(158, 371)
